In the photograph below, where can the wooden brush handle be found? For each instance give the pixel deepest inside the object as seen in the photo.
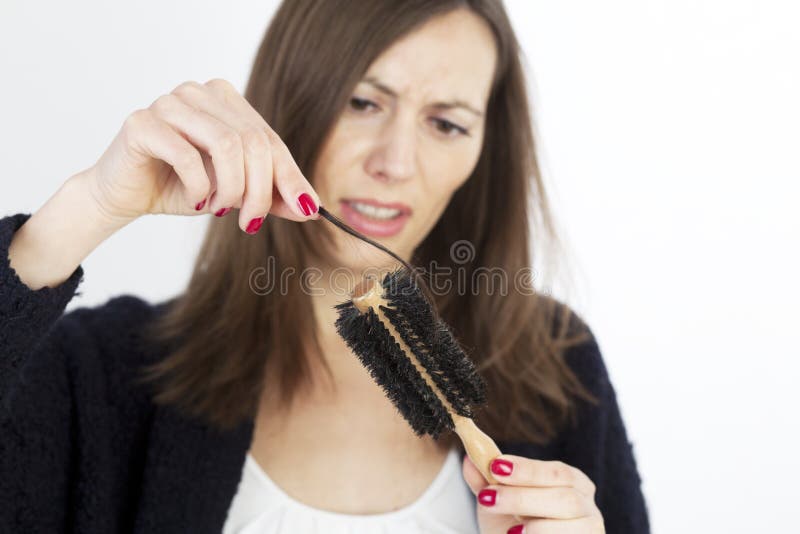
(480, 448)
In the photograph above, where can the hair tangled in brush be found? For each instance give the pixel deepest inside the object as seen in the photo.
(417, 281)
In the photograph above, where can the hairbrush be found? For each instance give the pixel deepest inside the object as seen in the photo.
(412, 354)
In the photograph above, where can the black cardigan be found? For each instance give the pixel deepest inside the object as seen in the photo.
(83, 450)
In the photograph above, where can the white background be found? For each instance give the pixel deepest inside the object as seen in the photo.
(669, 138)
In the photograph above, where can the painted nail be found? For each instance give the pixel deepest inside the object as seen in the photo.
(502, 467)
(222, 212)
(516, 529)
(487, 497)
(200, 205)
(254, 225)
(307, 204)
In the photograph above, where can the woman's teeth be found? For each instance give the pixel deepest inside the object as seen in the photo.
(375, 212)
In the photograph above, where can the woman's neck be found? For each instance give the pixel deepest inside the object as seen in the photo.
(352, 390)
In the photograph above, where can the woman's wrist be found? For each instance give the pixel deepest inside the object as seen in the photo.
(56, 239)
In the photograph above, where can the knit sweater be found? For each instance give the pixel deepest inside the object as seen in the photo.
(85, 450)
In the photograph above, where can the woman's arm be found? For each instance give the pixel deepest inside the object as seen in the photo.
(35, 430)
(26, 315)
(52, 243)
(68, 406)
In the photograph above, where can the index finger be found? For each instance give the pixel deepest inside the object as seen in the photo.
(231, 96)
(521, 471)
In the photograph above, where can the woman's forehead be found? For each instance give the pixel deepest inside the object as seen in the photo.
(444, 61)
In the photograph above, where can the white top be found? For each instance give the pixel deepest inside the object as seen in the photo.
(447, 506)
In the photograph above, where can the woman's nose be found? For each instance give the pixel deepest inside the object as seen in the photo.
(394, 156)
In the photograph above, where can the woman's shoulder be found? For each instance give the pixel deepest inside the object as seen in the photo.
(115, 326)
(582, 351)
(120, 312)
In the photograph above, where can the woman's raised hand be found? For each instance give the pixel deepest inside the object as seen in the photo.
(201, 148)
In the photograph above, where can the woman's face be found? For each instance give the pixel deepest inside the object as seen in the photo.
(410, 135)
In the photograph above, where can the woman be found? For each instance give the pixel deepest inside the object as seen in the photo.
(236, 407)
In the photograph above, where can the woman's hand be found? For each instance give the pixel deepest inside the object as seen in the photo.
(551, 497)
(201, 148)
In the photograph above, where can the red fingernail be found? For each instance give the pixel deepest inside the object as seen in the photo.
(307, 204)
(200, 205)
(502, 467)
(222, 212)
(516, 529)
(254, 225)
(487, 497)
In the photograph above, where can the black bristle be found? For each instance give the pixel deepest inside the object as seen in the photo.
(432, 343)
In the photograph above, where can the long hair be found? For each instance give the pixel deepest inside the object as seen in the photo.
(224, 337)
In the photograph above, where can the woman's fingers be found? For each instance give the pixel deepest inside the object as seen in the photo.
(258, 198)
(228, 94)
(298, 199)
(269, 166)
(524, 471)
(582, 525)
(287, 177)
(151, 135)
(553, 502)
(216, 138)
(472, 475)
(201, 149)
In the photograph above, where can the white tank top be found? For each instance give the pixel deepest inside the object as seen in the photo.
(447, 506)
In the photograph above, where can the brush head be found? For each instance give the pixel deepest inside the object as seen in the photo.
(412, 318)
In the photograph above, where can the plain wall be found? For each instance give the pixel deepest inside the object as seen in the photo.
(668, 135)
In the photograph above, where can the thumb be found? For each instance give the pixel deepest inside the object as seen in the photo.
(472, 475)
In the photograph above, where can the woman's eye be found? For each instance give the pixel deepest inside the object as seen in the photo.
(442, 125)
(448, 127)
(360, 104)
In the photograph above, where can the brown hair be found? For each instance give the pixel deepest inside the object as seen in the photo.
(222, 334)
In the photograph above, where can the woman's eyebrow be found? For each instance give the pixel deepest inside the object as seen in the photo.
(438, 105)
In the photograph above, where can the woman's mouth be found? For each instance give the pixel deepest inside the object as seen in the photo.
(370, 217)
